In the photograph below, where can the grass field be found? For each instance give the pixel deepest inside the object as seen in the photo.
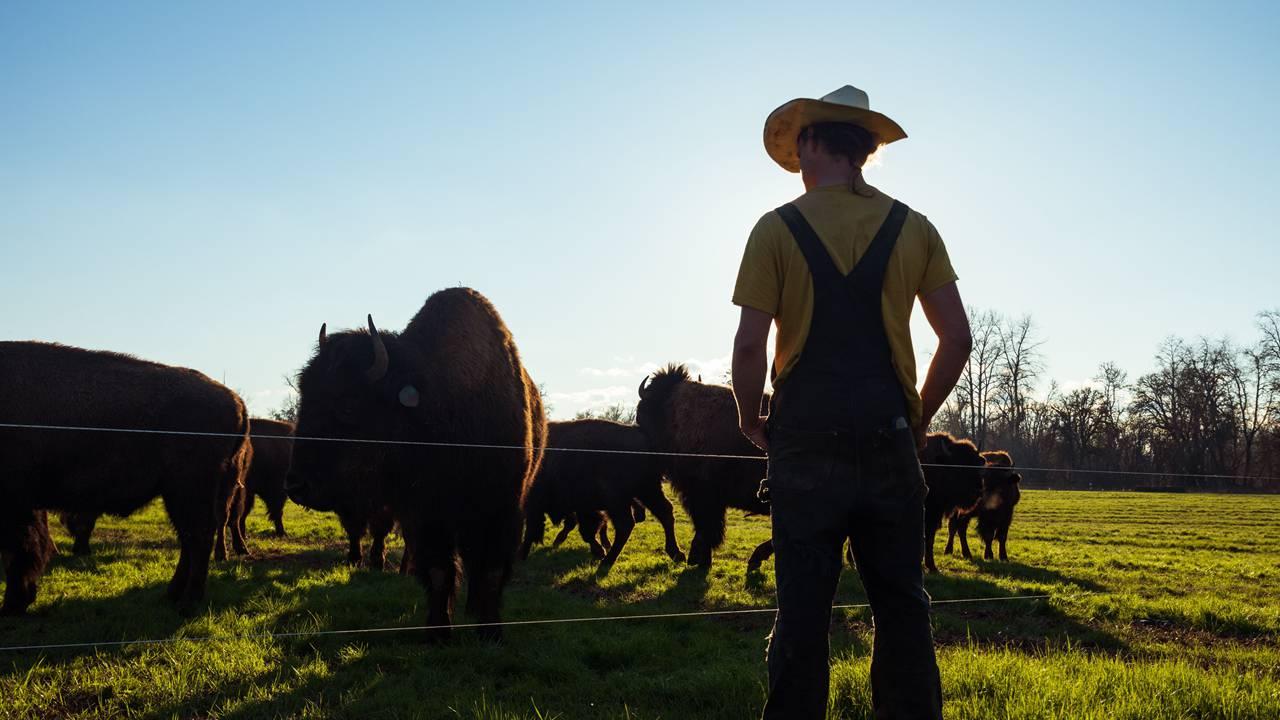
(1162, 606)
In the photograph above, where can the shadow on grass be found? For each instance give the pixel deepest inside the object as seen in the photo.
(1032, 574)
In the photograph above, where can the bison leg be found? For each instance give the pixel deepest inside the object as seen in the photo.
(235, 521)
(355, 526)
(602, 530)
(960, 526)
(379, 526)
(80, 525)
(708, 533)
(535, 528)
(567, 527)
(588, 532)
(1003, 536)
(275, 511)
(436, 566)
(637, 511)
(623, 523)
(487, 555)
(763, 552)
(25, 548)
(661, 508)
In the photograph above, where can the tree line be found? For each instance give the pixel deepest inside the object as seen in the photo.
(1209, 408)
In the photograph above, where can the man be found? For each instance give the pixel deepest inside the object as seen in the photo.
(838, 270)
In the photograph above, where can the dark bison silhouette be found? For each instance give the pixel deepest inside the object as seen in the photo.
(411, 409)
(682, 416)
(584, 484)
(178, 435)
(272, 443)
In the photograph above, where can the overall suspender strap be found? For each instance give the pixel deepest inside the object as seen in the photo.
(821, 266)
(871, 265)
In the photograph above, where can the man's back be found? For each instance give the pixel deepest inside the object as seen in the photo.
(775, 277)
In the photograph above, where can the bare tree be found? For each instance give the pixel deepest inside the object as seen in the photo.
(1020, 364)
(976, 393)
(1254, 376)
(616, 412)
(288, 410)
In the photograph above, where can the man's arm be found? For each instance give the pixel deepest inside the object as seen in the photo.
(945, 312)
(750, 364)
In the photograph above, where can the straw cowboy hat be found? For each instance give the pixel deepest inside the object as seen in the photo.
(846, 105)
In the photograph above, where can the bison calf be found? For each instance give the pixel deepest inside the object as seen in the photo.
(584, 484)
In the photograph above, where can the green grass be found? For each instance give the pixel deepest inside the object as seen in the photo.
(1162, 606)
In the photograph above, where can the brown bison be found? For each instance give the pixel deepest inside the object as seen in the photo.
(994, 509)
(400, 417)
(584, 484)
(189, 445)
(679, 415)
(953, 472)
(272, 443)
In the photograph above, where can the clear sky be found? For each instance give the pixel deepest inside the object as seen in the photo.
(205, 184)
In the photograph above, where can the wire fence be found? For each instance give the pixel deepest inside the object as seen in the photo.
(656, 453)
(465, 626)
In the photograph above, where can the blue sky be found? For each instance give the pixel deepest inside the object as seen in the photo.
(204, 186)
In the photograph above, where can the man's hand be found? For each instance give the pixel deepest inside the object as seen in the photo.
(753, 428)
(922, 431)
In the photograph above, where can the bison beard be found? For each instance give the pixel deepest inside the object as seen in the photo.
(117, 473)
(679, 415)
(580, 485)
(452, 376)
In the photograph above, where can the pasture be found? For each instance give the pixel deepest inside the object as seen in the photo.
(1162, 606)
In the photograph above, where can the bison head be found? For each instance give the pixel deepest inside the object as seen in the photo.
(999, 480)
(358, 389)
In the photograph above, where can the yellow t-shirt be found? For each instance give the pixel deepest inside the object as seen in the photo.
(774, 277)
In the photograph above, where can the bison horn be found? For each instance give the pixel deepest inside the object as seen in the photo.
(323, 337)
(643, 383)
(378, 369)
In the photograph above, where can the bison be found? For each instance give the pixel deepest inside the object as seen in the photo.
(272, 444)
(994, 509)
(131, 430)
(953, 472)
(583, 484)
(683, 417)
(272, 452)
(443, 424)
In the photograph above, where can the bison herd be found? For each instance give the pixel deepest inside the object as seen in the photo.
(436, 429)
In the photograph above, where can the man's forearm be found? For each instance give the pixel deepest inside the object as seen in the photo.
(944, 371)
(750, 363)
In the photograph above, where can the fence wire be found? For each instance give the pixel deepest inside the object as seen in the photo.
(656, 453)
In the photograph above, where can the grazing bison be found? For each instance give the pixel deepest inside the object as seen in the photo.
(272, 444)
(403, 403)
(679, 415)
(584, 484)
(86, 471)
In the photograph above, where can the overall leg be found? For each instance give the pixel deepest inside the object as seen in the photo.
(809, 508)
(380, 525)
(623, 523)
(26, 549)
(888, 546)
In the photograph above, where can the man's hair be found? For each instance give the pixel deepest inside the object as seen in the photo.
(842, 140)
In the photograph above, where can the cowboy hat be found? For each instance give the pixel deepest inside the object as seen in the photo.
(846, 105)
